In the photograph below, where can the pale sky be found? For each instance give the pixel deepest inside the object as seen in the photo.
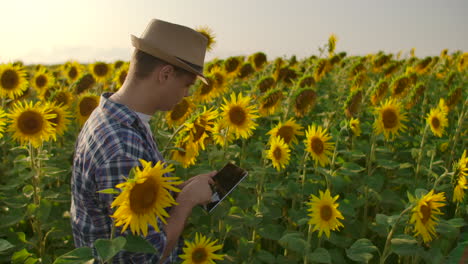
(54, 31)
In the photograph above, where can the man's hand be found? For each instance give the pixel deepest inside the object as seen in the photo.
(196, 190)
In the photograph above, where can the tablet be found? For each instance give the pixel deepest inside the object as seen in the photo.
(225, 180)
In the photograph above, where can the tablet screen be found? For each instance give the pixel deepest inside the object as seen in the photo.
(225, 181)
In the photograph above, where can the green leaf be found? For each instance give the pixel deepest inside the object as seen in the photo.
(28, 190)
(5, 245)
(361, 250)
(294, 242)
(405, 245)
(13, 217)
(139, 244)
(446, 229)
(265, 256)
(108, 248)
(388, 164)
(44, 210)
(457, 253)
(320, 255)
(272, 232)
(351, 169)
(23, 256)
(76, 256)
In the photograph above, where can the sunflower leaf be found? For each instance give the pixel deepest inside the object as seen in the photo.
(361, 250)
(76, 256)
(320, 255)
(108, 248)
(139, 244)
(405, 245)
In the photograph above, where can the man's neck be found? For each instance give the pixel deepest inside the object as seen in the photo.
(133, 98)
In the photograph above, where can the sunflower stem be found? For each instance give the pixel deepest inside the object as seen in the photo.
(35, 163)
(309, 236)
(421, 146)
(370, 159)
(171, 138)
(457, 132)
(385, 252)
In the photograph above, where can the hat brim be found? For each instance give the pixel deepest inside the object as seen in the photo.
(142, 45)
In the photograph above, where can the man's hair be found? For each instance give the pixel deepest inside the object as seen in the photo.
(145, 64)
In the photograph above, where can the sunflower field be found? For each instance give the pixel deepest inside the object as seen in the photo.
(351, 159)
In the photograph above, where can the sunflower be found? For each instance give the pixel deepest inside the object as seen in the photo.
(304, 100)
(265, 84)
(13, 81)
(63, 98)
(278, 153)
(61, 119)
(322, 67)
(2, 122)
(205, 92)
(42, 80)
(424, 214)
(306, 81)
(461, 184)
(245, 70)
(219, 80)
(86, 104)
(201, 251)
(120, 75)
(101, 71)
(287, 131)
(239, 116)
(331, 44)
(353, 103)
(72, 71)
(202, 125)
(443, 106)
(186, 153)
(355, 126)
(400, 86)
(231, 65)
(437, 120)
(379, 92)
(84, 83)
(221, 133)
(324, 213)
(270, 101)
(144, 198)
(317, 144)
(390, 119)
(31, 123)
(180, 112)
(258, 59)
(208, 34)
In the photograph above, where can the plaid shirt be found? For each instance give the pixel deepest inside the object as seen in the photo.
(109, 145)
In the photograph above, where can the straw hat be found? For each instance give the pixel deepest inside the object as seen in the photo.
(176, 44)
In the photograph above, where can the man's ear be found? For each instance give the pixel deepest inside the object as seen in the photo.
(165, 72)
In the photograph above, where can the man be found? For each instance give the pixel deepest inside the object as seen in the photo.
(167, 59)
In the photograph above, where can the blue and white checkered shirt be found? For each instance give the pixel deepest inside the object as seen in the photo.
(109, 145)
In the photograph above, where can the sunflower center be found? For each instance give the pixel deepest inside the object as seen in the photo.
(199, 255)
(87, 106)
(426, 212)
(10, 79)
(237, 115)
(286, 133)
(101, 69)
(206, 88)
(389, 118)
(277, 153)
(435, 122)
(317, 145)
(199, 130)
(179, 110)
(61, 98)
(305, 99)
(271, 100)
(143, 195)
(122, 77)
(326, 212)
(41, 81)
(30, 122)
(72, 73)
